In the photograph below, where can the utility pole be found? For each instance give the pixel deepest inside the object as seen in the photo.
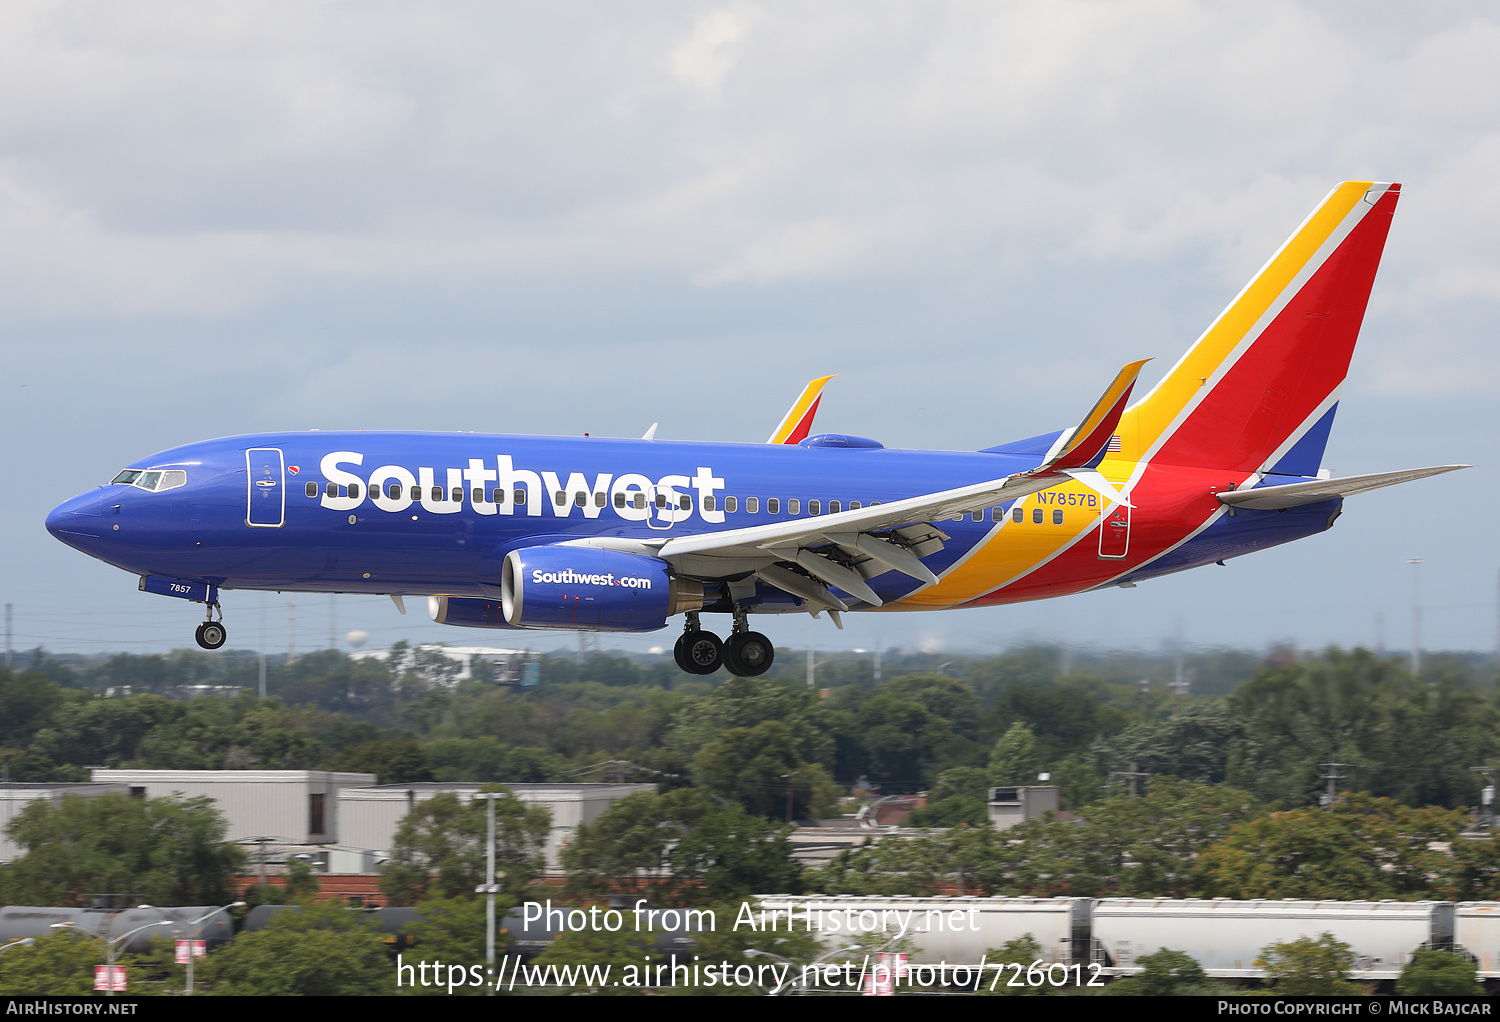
(9, 645)
(291, 629)
(1332, 777)
(878, 658)
(812, 658)
(1486, 797)
(1131, 776)
(333, 631)
(262, 688)
(1416, 616)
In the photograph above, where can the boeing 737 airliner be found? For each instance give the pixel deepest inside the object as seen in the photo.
(1220, 459)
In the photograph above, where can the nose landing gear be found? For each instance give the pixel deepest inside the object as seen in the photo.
(211, 633)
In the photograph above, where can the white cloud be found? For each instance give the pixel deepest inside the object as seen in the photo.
(707, 56)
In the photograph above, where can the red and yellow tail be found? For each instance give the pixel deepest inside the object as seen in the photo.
(1267, 372)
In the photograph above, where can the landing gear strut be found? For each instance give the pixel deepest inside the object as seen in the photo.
(747, 654)
(211, 633)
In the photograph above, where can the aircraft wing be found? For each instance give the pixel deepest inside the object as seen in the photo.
(1273, 498)
(845, 549)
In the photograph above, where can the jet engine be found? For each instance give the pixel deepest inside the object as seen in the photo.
(579, 588)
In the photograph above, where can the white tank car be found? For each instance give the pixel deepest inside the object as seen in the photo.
(1226, 936)
(953, 930)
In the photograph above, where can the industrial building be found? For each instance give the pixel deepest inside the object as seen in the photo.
(372, 813)
(297, 807)
(341, 822)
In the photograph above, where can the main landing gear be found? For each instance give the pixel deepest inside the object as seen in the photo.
(211, 633)
(747, 654)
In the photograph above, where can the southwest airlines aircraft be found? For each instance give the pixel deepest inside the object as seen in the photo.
(1220, 459)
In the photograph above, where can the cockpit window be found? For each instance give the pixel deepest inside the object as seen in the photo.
(154, 480)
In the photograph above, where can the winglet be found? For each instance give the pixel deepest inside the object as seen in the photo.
(1089, 443)
(797, 422)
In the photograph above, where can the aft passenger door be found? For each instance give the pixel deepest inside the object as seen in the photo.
(266, 500)
(1114, 533)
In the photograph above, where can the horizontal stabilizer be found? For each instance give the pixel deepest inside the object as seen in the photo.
(1276, 498)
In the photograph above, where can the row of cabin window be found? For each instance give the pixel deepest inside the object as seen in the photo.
(684, 502)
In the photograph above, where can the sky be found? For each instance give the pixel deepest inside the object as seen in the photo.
(565, 218)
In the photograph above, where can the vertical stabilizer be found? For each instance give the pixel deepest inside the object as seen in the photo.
(1258, 390)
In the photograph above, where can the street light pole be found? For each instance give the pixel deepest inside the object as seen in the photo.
(109, 945)
(197, 926)
(489, 888)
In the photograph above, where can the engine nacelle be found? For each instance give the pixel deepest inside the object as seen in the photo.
(580, 588)
(466, 611)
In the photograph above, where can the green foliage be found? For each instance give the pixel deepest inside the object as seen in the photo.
(451, 931)
(1193, 743)
(1166, 973)
(1142, 847)
(758, 766)
(1363, 847)
(1064, 716)
(959, 796)
(687, 844)
(1080, 784)
(888, 738)
(315, 951)
(1433, 972)
(1015, 758)
(27, 703)
(623, 951)
(951, 812)
(392, 760)
(746, 703)
(301, 882)
(728, 943)
(1022, 951)
(169, 851)
(1307, 967)
(59, 965)
(1402, 739)
(486, 759)
(439, 849)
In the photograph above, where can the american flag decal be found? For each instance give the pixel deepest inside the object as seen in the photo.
(1114, 444)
